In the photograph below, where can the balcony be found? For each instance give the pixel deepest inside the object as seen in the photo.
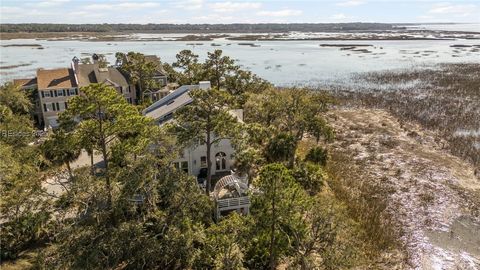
(233, 203)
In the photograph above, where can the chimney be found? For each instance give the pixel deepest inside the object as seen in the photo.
(75, 62)
(95, 58)
(204, 85)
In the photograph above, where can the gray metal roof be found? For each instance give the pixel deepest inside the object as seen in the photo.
(163, 109)
(166, 111)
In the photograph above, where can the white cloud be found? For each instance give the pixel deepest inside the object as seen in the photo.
(96, 6)
(280, 13)
(234, 6)
(18, 14)
(137, 5)
(339, 16)
(351, 3)
(213, 19)
(51, 3)
(342, 17)
(157, 16)
(122, 5)
(85, 14)
(425, 17)
(190, 4)
(459, 10)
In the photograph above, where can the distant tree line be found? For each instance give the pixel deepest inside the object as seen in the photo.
(203, 28)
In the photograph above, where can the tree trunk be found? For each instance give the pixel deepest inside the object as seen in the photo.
(209, 163)
(291, 160)
(69, 169)
(92, 169)
(108, 185)
(272, 263)
(140, 91)
(218, 78)
(107, 176)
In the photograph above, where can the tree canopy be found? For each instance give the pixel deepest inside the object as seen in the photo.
(139, 70)
(134, 210)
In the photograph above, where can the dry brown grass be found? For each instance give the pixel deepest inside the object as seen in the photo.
(365, 200)
(444, 99)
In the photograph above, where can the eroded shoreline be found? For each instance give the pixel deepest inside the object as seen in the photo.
(429, 193)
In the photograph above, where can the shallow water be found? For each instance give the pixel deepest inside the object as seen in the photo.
(469, 27)
(462, 241)
(281, 62)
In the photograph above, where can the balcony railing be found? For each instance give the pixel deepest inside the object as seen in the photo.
(233, 203)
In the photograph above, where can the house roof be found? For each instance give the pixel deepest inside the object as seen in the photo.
(56, 78)
(25, 82)
(155, 59)
(92, 73)
(161, 109)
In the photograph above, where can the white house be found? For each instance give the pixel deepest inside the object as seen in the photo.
(193, 158)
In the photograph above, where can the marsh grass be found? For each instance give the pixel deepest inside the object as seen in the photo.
(445, 98)
(366, 202)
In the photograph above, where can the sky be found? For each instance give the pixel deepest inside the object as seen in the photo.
(210, 11)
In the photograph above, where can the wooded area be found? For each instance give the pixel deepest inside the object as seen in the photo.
(200, 28)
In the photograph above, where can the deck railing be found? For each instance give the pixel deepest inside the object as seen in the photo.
(233, 203)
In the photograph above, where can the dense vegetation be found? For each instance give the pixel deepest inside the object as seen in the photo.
(192, 28)
(136, 211)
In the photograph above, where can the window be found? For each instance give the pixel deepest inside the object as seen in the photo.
(181, 166)
(203, 162)
(184, 166)
(48, 107)
(72, 92)
(221, 161)
(45, 93)
(60, 93)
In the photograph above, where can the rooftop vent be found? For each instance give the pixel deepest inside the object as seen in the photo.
(204, 85)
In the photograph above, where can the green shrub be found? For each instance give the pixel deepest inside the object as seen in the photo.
(18, 234)
(317, 155)
(310, 176)
(281, 148)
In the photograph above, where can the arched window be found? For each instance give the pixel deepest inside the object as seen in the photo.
(221, 161)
